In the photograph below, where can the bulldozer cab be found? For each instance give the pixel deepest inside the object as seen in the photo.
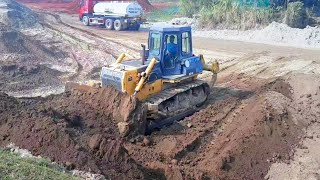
(171, 45)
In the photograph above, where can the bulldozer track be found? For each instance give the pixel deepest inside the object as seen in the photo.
(169, 105)
(165, 95)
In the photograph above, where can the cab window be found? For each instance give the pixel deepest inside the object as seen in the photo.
(186, 44)
(155, 42)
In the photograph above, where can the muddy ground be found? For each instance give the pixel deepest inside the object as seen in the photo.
(262, 114)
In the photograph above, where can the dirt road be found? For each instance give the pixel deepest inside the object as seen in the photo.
(263, 109)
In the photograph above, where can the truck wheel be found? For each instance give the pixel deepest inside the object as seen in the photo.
(117, 25)
(109, 24)
(85, 20)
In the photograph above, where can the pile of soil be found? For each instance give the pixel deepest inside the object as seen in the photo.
(21, 63)
(14, 78)
(76, 129)
(14, 15)
(274, 34)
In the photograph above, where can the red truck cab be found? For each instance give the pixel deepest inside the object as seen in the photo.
(86, 6)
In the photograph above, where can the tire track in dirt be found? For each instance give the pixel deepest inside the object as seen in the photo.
(59, 20)
(74, 38)
(206, 136)
(108, 51)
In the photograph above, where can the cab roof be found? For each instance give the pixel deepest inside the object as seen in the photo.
(170, 28)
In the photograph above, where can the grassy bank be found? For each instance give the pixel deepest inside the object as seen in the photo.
(234, 14)
(227, 14)
(14, 167)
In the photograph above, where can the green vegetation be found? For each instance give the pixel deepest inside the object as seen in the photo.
(14, 167)
(295, 15)
(246, 14)
(165, 14)
(240, 14)
(230, 14)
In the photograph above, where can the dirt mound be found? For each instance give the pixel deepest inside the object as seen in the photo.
(275, 34)
(13, 42)
(306, 94)
(76, 129)
(24, 78)
(21, 63)
(259, 135)
(126, 111)
(16, 15)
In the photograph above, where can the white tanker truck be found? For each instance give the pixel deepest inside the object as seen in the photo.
(112, 14)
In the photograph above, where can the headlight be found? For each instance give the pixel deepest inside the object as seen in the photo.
(186, 63)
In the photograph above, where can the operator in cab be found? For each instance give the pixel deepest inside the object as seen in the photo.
(171, 53)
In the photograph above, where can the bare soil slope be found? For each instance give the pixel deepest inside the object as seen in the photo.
(76, 129)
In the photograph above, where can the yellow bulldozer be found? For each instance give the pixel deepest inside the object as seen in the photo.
(165, 79)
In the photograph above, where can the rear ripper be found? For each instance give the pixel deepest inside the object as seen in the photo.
(112, 15)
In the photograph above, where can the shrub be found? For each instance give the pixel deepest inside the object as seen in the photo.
(230, 14)
(295, 15)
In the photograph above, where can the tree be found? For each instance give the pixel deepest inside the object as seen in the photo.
(145, 5)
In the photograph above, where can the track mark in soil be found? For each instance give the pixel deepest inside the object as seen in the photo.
(58, 18)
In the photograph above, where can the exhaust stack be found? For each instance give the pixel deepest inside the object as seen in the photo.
(143, 54)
